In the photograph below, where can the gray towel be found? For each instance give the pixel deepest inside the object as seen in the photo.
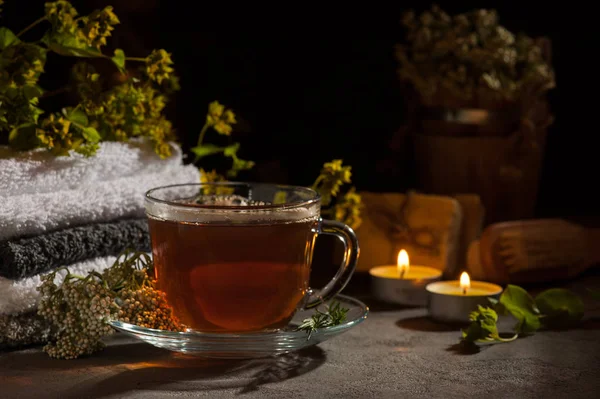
(17, 331)
(26, 257)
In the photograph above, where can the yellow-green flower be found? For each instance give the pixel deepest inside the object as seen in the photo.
(332, 177)
(220, 118)
(21, 65)
(158, 66)
(348, 209)
(210, 177)
(61, 15)
(161, 132)
(98, 26)
(337, 171)
(55, 134)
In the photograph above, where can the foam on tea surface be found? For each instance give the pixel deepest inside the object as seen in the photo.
(229, 209)
(223, 200)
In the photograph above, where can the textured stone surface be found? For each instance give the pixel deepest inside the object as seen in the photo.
(394, 354)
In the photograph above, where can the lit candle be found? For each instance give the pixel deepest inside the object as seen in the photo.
(403, 283)
(452, 301)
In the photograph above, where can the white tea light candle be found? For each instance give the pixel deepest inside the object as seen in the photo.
(403, 283)
(452, 301)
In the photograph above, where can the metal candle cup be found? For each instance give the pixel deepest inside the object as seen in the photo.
(402, 284)
(451, 302)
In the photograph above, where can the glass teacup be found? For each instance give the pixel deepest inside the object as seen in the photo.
(236, 257)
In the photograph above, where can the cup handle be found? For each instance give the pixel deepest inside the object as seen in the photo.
(342, 277)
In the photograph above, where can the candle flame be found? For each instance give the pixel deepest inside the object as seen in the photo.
(465, 282)
(403, 263)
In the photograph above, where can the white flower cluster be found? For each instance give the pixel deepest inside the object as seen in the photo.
(79, 309)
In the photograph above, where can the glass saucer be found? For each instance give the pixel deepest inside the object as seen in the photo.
(248, 345)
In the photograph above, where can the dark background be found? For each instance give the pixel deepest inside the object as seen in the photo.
(310, 84)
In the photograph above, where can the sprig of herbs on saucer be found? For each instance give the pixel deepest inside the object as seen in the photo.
(333, 315)
(555, 308)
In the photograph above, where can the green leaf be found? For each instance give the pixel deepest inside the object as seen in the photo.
(522, 306)
(483, 327)
(7, 38)
(23, 137)
(91, 134)
(560, 307)
(31, 92)
(119, 60)
(231, 150)
(77, 116)
(239, 165)
(69, 45)
(206, 150)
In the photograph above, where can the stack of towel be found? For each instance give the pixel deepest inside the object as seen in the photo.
(71, 211)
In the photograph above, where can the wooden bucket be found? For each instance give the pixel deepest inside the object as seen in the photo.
(495, 155)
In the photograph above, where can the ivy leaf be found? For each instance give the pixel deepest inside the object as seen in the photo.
(76, 116)
(521, 305)
(205, 150)
(560, 307)
(7, 38)
(23, 137)
(119, 60)
(69, 45)
(91, 134)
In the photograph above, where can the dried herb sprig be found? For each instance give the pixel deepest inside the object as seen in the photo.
(470, 59)
(79, 308)
(333, 315)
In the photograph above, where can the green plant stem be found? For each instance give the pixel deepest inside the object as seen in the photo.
(508, 339)
(316, 183)
(31, 26)
(140, 59)
(202, 133)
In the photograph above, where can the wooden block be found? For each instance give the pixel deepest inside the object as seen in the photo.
(531, 251)
(432, 238)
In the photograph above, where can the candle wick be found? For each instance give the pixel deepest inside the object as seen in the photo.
(402, 273)
(465, 291)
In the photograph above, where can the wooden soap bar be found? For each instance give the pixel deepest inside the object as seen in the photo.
(426, 226)
(533, 251)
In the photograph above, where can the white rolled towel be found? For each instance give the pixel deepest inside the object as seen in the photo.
(28, 215)
(38, 171)
(20, 296)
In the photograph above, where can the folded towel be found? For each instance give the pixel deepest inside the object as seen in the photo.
(38, 171)
(28, 215)
(18, 331)
(21, 296)
(27, 257)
